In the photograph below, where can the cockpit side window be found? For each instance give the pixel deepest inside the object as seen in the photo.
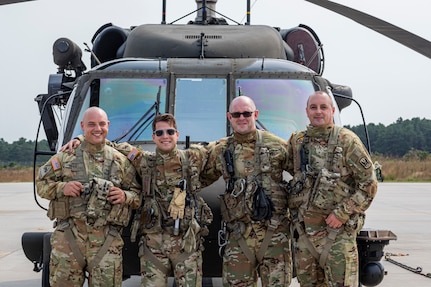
(130, 104)
(281, 103)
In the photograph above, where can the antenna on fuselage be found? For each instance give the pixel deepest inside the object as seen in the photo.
(164, 12)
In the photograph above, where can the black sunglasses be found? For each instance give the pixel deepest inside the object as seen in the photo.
(238, 114)
(170, 132)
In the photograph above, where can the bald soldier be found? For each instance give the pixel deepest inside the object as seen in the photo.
(91, 193)
(333, 185)
(254, 204)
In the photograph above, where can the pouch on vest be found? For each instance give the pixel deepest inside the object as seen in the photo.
(98, 206)
(299, 188)
(205, 216)
(151, 217)
(196, 210)
(262, 205)
(328, 191)
(119, 215)
(355, 223)
(233, 207)
(59, 208)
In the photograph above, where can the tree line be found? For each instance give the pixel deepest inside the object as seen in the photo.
(21, 152)
(399, 139)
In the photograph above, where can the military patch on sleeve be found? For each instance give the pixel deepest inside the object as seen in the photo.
(132, 154)
(43, 170)
(365, 162)
(55, 163)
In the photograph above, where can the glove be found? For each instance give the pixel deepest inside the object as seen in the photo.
(178, 203)
(189, 242)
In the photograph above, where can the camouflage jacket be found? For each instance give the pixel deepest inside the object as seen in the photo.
(347, 170)
(168, 168)
(62, 168)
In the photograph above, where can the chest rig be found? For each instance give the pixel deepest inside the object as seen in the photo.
(317, 189)
(247, 199)
(152, 217)
(153, 214)
(65, 207)
(304, 177)
(92, 206)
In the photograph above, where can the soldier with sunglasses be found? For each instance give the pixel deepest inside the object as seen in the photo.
(255, 237)
(173, 220)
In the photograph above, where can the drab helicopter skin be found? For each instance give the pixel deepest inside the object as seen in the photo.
(192, 71)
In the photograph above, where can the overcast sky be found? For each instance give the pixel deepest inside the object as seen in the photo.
(388, 79)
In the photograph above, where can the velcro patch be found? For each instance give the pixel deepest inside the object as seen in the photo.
(55, 163)
(365, 162)
(132, 154)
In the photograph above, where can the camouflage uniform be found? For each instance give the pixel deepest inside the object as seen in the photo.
(332, 173)
(161, 251)
(253, 247)
(87, 238)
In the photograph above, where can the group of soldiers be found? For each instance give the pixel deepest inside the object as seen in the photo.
(93, 185)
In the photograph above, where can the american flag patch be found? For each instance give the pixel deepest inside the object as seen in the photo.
(132, 154)
(55, 163)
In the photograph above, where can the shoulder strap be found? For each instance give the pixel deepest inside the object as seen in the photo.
(300, 157)
(108, 161)
(257, 151)
(79, 167)
(148, 174)
(228, 176)
(332, 144)
(185, 166)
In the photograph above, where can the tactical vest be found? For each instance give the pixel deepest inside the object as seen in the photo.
(93, 204)
(154, 217)
(320, 189)
(237, 201)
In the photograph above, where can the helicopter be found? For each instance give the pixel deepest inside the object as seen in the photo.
(191, 71)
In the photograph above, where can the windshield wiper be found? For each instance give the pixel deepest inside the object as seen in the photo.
(142, 124)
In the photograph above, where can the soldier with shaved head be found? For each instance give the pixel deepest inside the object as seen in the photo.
(256, 235)
(333, 185)
(92, 192)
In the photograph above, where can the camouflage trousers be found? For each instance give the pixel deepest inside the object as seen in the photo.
(342, 263)
(65, 270)
(275, 270)
(186, 268)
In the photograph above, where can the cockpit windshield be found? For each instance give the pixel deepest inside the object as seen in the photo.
(199, 105)
(200, 108)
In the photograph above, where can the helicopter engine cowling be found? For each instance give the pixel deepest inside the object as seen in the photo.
(306, 47)
(108, 43)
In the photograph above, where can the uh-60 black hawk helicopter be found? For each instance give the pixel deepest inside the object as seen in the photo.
(193, 71)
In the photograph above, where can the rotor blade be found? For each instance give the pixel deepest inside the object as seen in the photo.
(398, 34)
(5, 2)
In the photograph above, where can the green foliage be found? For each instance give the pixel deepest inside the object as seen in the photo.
(414, 154)
(20, 153)
(411, 138)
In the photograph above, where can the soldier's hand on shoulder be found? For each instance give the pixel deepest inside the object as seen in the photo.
(73, 189)
(70, 146)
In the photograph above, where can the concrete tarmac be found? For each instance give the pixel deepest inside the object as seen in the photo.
(403, 208)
